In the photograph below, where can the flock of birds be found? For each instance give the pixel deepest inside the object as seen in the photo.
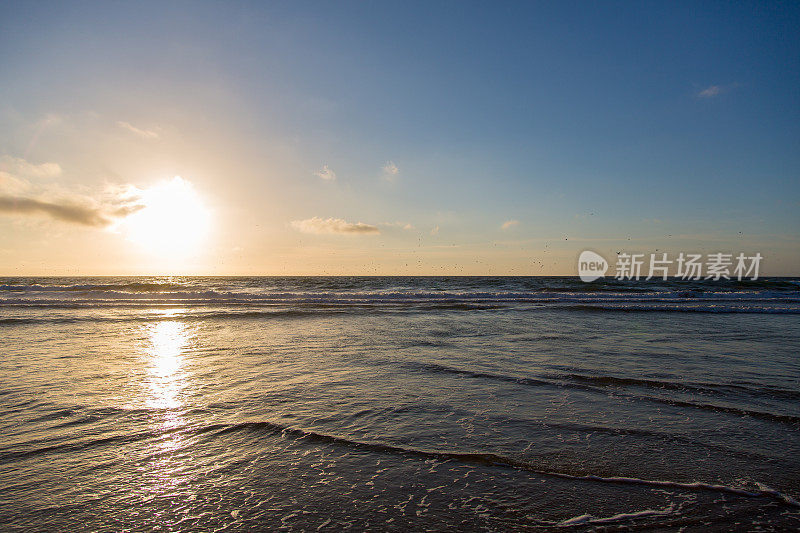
(419, 262)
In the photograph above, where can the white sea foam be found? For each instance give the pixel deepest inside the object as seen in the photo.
(587, 519)
(763, 490)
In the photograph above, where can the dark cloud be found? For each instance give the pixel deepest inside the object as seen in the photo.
(67, 212)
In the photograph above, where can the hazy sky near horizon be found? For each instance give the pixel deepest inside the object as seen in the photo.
(394, 137)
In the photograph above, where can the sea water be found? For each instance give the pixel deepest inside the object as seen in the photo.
(398, 403)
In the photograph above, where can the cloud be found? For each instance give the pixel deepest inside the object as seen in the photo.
(326, 173)
(710, 91)
(10, 184)
(19, 196)
(319, 226)
(401, 225)
(390, 171)
(508, 224)
(84, 215)
(715, 90)
(145, 134)
(19, 167)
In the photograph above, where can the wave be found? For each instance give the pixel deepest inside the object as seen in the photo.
(120, 287)
(378, 283)
(263, 314)
(467, 457)
(392, 290)
(700, 388)
(599, 383)
(376, 294)
(12, 455)
(689, 307)
(774, 417)
(401, 301)
(492, 459)
(435, 368)
(98, 292)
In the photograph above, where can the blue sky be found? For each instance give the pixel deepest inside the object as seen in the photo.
(674, 125)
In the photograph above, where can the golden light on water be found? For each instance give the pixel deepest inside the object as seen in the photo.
(166, 381)
(168, 340)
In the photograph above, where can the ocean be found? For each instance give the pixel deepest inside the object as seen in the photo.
(398, 404)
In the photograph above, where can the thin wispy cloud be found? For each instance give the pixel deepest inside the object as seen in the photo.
(326, 173)
(322, 226)
(508, 224)
(715, 90)
(145, 134)
(16, 166)
(401, 225)
(710, 92)
(390, 171)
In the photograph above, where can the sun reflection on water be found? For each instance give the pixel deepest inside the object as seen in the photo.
(168, 340)
(166, 380)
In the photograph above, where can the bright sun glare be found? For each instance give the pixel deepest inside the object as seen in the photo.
(173, 222)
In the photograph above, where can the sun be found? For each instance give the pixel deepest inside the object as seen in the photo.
(173, 223)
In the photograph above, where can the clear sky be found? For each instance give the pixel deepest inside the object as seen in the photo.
(394, 137)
